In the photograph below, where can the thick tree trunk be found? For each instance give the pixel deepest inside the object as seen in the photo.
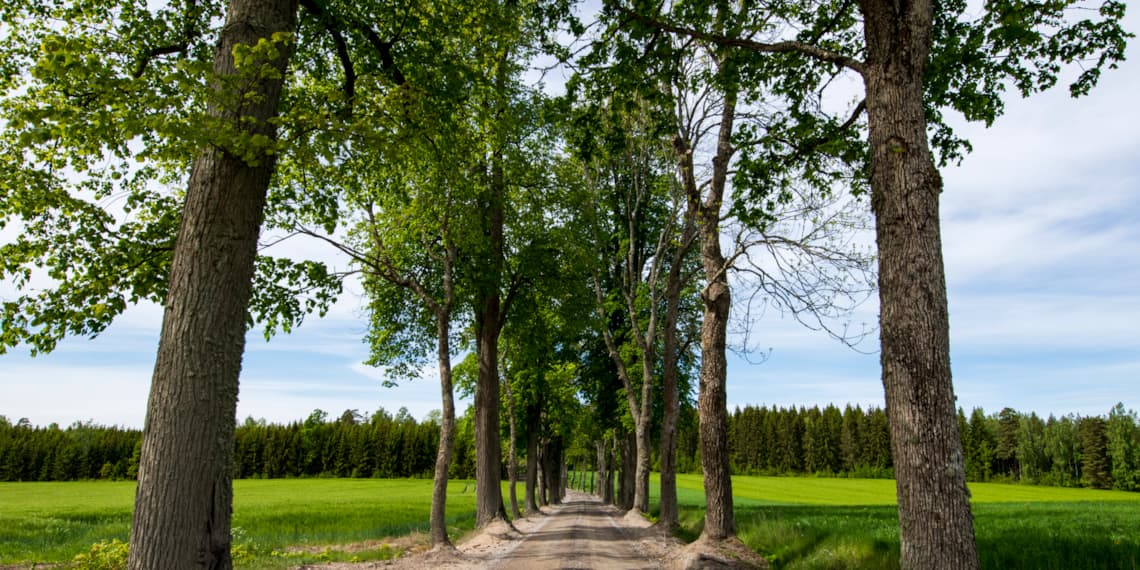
(488, 325)
(438, 517)
(712, 401)
(936, 525)
(488, 451)
(184, 498)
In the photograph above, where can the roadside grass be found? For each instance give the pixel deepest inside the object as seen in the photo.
(818, 523)
(277, 523)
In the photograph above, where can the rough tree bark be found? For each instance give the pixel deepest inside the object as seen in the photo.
(184, 498)
(712, 400)
(936, 525)
(488, 326)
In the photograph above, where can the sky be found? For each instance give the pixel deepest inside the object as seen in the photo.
(1041, 235)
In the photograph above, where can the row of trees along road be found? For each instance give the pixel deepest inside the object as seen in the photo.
(573, 246)
(1086, 451)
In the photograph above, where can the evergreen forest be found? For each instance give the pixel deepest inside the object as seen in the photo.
(1070, 451)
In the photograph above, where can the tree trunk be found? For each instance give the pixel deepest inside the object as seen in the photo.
(488, 325)
(642, 460)
(605, 483)
(551, 463)
(513, 465)
(532, 462)
(184, 498)
(540, 485)
(640, 411)
(712, 402)
(936, 525)
(488, 492)
(563, 475)
(628, 480)
(438, 517)
(668, 515)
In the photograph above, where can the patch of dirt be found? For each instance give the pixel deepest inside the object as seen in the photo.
(706, 554)
(580, 533)
(414, 543)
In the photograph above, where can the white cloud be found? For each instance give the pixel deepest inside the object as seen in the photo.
(1045, 322)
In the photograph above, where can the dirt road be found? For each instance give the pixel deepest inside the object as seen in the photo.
(581, 533)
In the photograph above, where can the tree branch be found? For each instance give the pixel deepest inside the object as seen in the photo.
(385, 50)
(330, 25)
(189, 34)
(752, 45)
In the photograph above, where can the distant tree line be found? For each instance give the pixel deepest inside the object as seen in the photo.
(1072, 451)
(785, 441)
(82, 451)
(1097, 452)
(352, 445)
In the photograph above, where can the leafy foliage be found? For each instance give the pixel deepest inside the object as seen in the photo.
(105, 555)
(104, 106)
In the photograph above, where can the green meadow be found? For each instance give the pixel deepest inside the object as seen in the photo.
(277, 523)
(819, 523)
(795, 522)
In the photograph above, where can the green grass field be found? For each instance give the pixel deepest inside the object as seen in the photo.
(795, 522)
(800, 523)
(281, 522)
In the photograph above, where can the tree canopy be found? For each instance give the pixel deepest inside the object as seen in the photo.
(706, 156)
